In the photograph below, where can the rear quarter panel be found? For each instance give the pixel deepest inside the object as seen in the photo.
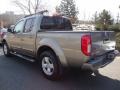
(67, 46)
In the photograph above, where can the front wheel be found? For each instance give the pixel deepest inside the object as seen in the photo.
(6, 49)
(50, 65)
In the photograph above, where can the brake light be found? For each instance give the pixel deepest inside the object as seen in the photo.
(86, 44)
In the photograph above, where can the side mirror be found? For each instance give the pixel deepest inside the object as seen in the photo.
(10, 30)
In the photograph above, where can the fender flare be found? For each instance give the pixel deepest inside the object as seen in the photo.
(54, 45)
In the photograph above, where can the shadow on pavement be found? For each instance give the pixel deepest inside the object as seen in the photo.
(83, 81)
(29, 77)
(118, 55)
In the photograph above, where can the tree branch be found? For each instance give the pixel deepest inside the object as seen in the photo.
(30, 7)
(22, 6)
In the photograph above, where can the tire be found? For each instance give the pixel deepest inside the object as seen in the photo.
(50, 66)
(6, 50)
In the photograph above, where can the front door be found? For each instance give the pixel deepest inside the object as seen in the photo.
(15, 38)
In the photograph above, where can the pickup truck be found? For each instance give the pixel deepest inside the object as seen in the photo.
(51, 41)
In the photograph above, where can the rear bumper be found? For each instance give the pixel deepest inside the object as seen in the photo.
(100, 61)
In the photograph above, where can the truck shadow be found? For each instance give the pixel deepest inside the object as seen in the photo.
(118, 55)
(83, 81)
(72, 80)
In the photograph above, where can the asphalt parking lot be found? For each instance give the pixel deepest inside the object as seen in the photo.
(18, 74)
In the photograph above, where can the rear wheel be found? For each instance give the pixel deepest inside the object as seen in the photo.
(6, 49)
(50, 65)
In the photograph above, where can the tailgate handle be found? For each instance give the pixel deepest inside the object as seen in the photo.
(106, 39)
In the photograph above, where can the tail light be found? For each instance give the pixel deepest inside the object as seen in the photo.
(86, 44)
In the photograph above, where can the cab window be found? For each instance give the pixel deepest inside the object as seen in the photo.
(55, 23)
(19, 27)
(28, 25)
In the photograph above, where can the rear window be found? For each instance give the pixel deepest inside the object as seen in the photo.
(56, 23)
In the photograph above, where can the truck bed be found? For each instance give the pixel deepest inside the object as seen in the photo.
(70, 42)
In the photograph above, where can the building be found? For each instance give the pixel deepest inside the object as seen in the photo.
(9, 18)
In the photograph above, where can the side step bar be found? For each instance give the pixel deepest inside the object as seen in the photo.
(24, 57)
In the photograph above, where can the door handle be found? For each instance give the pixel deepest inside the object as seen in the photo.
(30, 36)
(22, 39)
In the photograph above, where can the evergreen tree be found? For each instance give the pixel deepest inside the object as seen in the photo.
(104, 20)
(68, 9)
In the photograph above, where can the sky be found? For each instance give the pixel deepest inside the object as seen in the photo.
(86, 8)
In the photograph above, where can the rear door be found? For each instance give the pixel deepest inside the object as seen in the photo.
(102, 42)
(28, 37)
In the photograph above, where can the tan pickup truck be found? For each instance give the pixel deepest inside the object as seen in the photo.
(51, 41)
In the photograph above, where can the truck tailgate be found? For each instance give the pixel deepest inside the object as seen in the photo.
(102, 42)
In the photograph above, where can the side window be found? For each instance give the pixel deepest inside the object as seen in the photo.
(47, 23)
(29, 25)
(56, 24)
(19, 27)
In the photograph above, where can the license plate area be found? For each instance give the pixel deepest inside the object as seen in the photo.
(111, 56)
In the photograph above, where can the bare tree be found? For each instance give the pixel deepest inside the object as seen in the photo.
(28, 6)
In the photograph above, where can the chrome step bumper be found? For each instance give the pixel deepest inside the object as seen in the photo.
(101, 61)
